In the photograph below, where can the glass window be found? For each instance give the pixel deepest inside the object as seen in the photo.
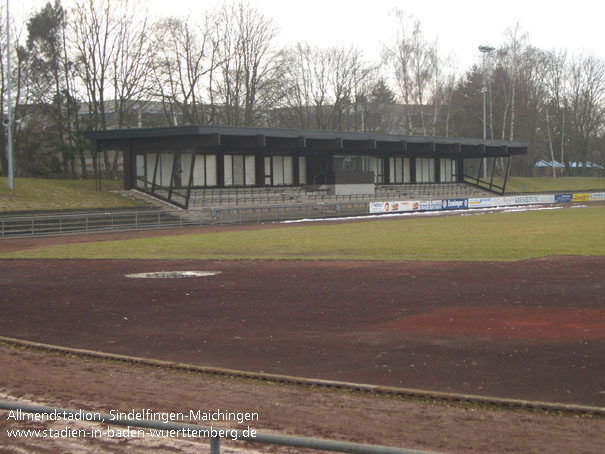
(425, 170)
(379, 171)
(278, 170)
(267, 170)
(204, 170)
(210, 169)
(399, 169)
(199, 170)
(151, 162)
(288, 170)
(302, 169)
(165, 169)
(448, 170)
(141, 175)
(250, 170)
(239, 170)
(228, 171)
(185, 169)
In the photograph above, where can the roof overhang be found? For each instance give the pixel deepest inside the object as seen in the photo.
(241, 138)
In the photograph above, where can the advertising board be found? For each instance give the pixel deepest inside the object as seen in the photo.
(454, 204)
(581, 197)
(393, 206)
(483, 202)
(531, 199)
(563, 198)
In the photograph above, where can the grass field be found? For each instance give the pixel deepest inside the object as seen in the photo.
(487, 237)
(542, 184)
(41, 194)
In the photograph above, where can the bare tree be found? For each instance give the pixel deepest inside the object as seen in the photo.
(322, 85)
(510, 55)
(21, 95)
(448, 91)
(556, 87)
(95, 38)
(440, 92)
(411, 59)
(186, 56)
(51, 81)
(586, 106)
(532, 103)
(109, 39)
(131, 65)
(3, 89)
(246, 81)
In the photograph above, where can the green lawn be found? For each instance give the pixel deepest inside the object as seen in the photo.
(543, 184)
(487, 237)
(42, 194)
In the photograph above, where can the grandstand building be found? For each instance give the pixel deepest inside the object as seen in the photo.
(192, 165)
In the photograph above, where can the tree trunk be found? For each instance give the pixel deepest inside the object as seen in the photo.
(552, 152)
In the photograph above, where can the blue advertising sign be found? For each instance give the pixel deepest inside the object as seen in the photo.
(454, 204)
(563, 198)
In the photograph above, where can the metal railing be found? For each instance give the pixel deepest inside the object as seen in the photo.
(12, 226)
(60, 224)
(215, 434)
(278, 213)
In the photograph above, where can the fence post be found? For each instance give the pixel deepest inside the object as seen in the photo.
(215, 445)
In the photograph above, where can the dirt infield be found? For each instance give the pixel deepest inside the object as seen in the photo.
(531, 330)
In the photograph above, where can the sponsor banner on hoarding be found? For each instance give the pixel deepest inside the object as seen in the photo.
(405, 205)
(488, 202)
(376, 207)
(500, 201)
(581, 197)
(481, 203)
(454, 204)
(563, 198)
(429, 205)
(531, 199)
(393, 207)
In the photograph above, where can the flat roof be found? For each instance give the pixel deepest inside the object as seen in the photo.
(259, 136)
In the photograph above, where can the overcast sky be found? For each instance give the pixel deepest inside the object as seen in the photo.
(460, 26)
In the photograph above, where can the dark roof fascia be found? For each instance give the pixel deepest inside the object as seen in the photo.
(177, 131)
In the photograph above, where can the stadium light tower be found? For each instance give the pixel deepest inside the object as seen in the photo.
(485, 50)
(8, 122)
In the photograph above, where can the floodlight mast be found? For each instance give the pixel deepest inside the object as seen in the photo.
(9, 120)
(485, 50)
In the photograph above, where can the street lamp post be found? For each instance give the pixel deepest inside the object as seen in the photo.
(484, 50)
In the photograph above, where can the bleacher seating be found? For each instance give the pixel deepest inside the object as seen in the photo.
(229, 197)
